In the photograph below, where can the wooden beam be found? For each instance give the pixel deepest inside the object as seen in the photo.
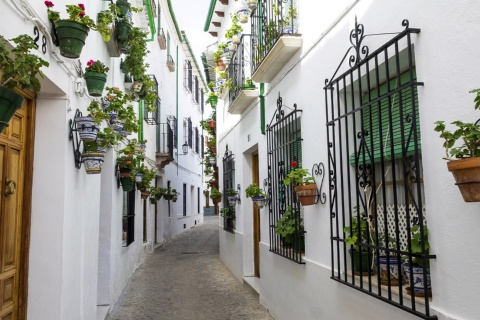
(213, 33)
(221, 14)
(217, 24)
(224, 2)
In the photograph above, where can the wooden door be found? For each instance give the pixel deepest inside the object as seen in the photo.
(14, 141)
(256, 219)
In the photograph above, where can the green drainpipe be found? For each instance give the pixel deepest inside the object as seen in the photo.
(176, 100)
(140, 120)
(151, 23)
(262, 108)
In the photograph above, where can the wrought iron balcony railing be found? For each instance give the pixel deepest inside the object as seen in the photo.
(239, 68)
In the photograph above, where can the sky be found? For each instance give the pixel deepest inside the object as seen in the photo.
(191, 16)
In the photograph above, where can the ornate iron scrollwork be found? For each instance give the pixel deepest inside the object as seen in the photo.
(75, 138)
(319, 170)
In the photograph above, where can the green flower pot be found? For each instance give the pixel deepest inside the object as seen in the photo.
(361, 263)
(71, 37)
(213, 100)
(123, 29)
(153, 200)
(95, 83)
(10, 102)
(127, 184)
(124, 7)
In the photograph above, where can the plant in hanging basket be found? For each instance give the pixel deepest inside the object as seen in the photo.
(257, 194)
(232, 196)
(171, 194)
(215, 195)
(18, 68)
(304, 184)
(72, 32)
(95, 77)
(92, 158)
(228, 212)
(127, 160)
(148, 175)
(465, 166)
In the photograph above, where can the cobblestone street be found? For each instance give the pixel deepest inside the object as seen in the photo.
(185, 279)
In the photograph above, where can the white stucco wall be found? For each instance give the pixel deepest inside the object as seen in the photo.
(446, 61)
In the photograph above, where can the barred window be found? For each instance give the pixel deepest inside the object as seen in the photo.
(197, 140)
(128, 218)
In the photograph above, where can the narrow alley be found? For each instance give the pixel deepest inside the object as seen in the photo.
(185, 279)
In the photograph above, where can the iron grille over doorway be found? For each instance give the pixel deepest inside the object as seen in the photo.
(284, 147)
(377, 202)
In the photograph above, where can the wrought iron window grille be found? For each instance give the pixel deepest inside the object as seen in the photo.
(376, 194)
(283, 147)
(153, 118)
(172, 123)
(187, 75)
(128, 219)
(197, 140)
(228, 183)
(240, 67)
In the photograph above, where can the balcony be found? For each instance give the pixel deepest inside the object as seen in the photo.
(278, 40)
(162, 41)
(165, 145)
(170, 63)
(243, 92)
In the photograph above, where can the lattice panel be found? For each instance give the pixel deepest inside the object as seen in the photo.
(402, 221)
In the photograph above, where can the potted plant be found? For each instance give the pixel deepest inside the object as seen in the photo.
(107, 138)
(171, 194)
(217, 56)
(72, 32)
(215, 195)
(229, 214)
(304, 185)
(465, 166)
(18, 68)
(127, 160)
(232, 196)
(390, 267)
(234, 31)
(416, 267)
(134, 62)
(92, 158)
(95, 77)
(148, 175)
(357, 233)
(249, 85)
(290, 229)
(257, 194)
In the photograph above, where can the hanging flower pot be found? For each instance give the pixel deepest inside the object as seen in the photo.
(236, 39)
(226, 57)
(123, 6)
(144, 194)
(243, 13)
(467, 177)
(232, 201)
(307, 194)
(153, 200)
(212, 124)
(175, 198)
(125, 172)
(168, 197)
(117, 125)
(252, 4)
(10, 102)
(93, 162)
(123, 29)
(212, 160)
(217, 200)
(127, 183)
(87, 130)
(232, 46)
(71, 37)
(258, 201)
(95, 83)
(138, 178)
(213, 100)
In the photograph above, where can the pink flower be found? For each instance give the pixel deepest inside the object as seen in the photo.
(81, 5)
(116, 88)
(49, 4)
(110, 98)
(82, 14)
(89, 63)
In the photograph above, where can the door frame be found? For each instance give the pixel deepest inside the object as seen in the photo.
(256, 217)
(27, 204)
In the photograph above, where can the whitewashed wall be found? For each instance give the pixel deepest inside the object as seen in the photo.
(447, 62)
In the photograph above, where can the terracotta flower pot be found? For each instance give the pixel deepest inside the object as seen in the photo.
(467, 177)
(307, 194)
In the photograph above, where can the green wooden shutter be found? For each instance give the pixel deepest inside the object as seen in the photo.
(379, 139)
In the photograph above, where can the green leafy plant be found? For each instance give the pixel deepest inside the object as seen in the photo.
(357, 232)
(416, 240)
(231, 192)
(108, 138)
(76, 12)
(468, 133)
(104, 19)
(134, 62)
(254, 190)
(148, 176)
(299, 177)
(214, 193)
(220, 50)
(96, 66)
(128, 157)
(228, 212)
(19, 67)
(235, 28)
(288, 225)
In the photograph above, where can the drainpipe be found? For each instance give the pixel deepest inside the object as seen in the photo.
(262, 108)
(140, 120)
(153, 31)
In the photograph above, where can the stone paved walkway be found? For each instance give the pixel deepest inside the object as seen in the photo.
(185, 280)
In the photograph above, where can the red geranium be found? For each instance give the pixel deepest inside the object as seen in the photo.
(294, 163)
(49, 4)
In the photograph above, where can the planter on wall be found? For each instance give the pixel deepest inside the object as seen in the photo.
(10, 102)
(390, 271)
(467, 177)
(419, 284)
(307, 194)
(87, 130)
(361, 263)
(95, 83)
(71, 37)
(93, 162)
(127, 183)
(258, 201)
(123, 29)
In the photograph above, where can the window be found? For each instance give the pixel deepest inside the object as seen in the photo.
(195, 93)
(203, 146)
(228, 183)
(128, 218)
(198, 200)
(187, 75)
(202, 102)
(284, 148)
(190, 132)
(376, 175)
(172, 132)
(184, 199)
(197, 141)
